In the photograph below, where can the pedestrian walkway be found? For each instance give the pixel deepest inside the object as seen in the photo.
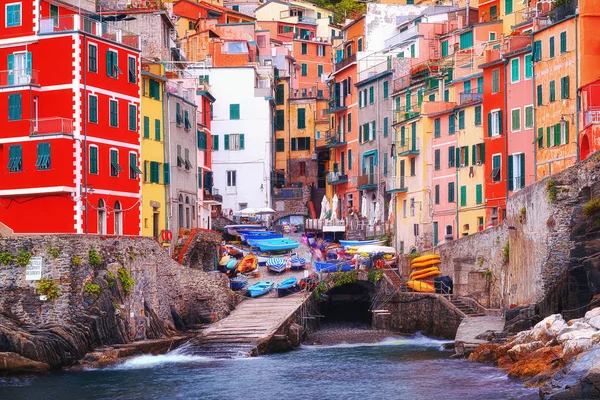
(470, 328)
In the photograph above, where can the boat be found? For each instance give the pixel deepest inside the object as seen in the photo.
(427, 257)
(233, 229)
(309, 283)
(248, 264)
(238, 283)
(423, 271)
(261, 236)
(288, 286)
(225, 259)
(274, 244)
(419, 286)
(260, 288)
(276, 264)
(333, 266)
(426, 275)
(231, 264)
(422, 264)
(297, 262)
(265, 256)
(347, 243)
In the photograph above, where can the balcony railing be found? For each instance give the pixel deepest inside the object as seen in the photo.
(336, 140)
(129, 5)
(366, 181)
(473, 97)
(403, 115)
(402, 36)
(19, 77)
(52, 126)
(71, 23)
(308, 93)
(307, 20)
(334, 178)
(345, 62)
(287, 193)
(396, 184)
(591, 117)
(408, 146)
(561, 12)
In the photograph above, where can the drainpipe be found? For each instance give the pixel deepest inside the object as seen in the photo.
(535, 128)
(505, 122)
(577, 91)
(167, 144)
(289, 131)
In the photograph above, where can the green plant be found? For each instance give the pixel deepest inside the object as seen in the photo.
(76, 261)
(5, 258)
(320, 290)
(374, 275)
(552, 189)
(132, 256)
(23, 258)
(523, 215)
(92, 288)
(386, 239)
(488, 275)
(506, 252)
(480, 261)
(110, 278)
(592, 206)
(47, 288)
(414, 255)
(126, 279)
(94, 257)
(344, 278)
(54, 252)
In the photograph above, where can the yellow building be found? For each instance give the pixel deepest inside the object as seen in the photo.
(154, 215)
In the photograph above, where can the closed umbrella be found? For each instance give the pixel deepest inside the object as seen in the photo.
(247, 211)
(324, 207)
(377, 211)
(334, 207)
(363, 207)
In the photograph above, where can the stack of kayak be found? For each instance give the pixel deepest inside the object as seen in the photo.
(424, 267)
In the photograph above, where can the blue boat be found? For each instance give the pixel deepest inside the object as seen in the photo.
(274, 244)
(298, 262)
(238, 283)
(260, 288)
(333, 266)
(347, 243)
(261, 236)
(276, 264)
(288, 286)
(232, 264)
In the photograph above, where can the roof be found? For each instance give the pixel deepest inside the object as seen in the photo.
(211, 7)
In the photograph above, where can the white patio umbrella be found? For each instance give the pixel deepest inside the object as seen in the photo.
(265, 210)
(377, 211)
(363, 207)
(247, 211)
(324, 207)
(334, 207)
(391, 209)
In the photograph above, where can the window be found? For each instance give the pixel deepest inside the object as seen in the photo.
(154, 172)
(115, 168)
(540, 138)
(467, 87)
(478, 154)
(13, 15)
(437, 159)
(492, 36)
(496, 164)
(516, 171)
(495, 81)
(235, 8)
(436, 192)
(564, 87)
(371, 95)
(132, 70)
(319, 71)
(563, 42)
(462, 156)
(412, 207)
(349, 159)
(202, 140)
(14, 107)
(477, 115)
(15, 158)
(114, 113)
(132, 117)
(412, 51)
(154, 89)
(301, 144)
(187, 162)
(101, 217)
(385, 164)
(279, 95)
(437, 123)
(134, 170)
(539, 95)
(157, 134)
(446, 95)
(186, 119)
(234, 142)
(304, 48)
(515, 117)
(43, 156)
(528, 66)
(93, 109)
(215, 142)
(528, 117)
(94, 160)
(551, 47)
(463, 196)
(480, 85)
(466, 40)
(349, 124)
(461, 119)
(552, 91)
(537, 50)
(564, 129)
(444, 48)
(304, 70)
(386, 89)
(413, 166)
(451, 156)
(279, 145)
(234, 111)
(495, 123)
(231, 178)
(515, 67)
(180, 161)
(508, 7)
(385, 127)
(279, 120)
(493, 12)
(450, 192)
(404, 208)
(373, 130)
(112, 64)
(301, 118)
(320, 51)
(451, 124)
(92, 58)
(360, 44)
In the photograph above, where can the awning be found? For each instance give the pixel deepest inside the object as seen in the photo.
(369, 154)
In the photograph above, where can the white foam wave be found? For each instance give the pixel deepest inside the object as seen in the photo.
(150, 361)
(418, 340)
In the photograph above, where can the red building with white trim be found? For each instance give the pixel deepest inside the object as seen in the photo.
(70, 143)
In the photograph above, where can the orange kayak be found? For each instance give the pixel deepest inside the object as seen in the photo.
(248, 264)
(420, 286)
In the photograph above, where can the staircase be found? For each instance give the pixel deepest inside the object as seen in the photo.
(464, 307)
(183, 242)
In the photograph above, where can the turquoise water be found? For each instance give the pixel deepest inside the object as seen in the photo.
(396, 368)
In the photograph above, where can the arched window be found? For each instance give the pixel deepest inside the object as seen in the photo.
(448, 230)
(118, 219)
(180, 212)
(187, 212)
(101, 217)
(194, 216)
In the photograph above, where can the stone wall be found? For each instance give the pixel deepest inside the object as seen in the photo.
(164, 298)
(295, 206)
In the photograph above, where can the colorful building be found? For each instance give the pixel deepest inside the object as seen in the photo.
(71, 142)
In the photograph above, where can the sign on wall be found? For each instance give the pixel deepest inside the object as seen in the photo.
(33, 271)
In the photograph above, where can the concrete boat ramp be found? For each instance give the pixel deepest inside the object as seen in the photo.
(253, 328)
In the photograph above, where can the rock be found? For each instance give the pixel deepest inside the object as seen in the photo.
(12, 363)
(574, 347)
(557, 326)
(576, 331)
(594, 322)
(517, 325)
(542, 335)
(592, 313)
(549, 321)
(576, 321)
(578, 380)
(521, 351)
(505, 362)
(544, 360)
(485, 353)
(295, 334)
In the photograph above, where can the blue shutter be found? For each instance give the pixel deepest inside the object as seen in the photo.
(11, 66)
(242, 141)
(167, 173)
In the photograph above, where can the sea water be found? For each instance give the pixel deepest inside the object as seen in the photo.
(396, 368)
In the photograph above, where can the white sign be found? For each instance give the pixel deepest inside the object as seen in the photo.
(33, 271)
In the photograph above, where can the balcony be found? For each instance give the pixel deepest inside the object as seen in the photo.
(129, 5)
(396, 184)
(75, 23)
(334, 178)
(336, 104)
(19, 77)
(591, 116)
(309, 93)
(408, 146)
(472, 97)
(211, 195)
(52, 126)
(402, 37)
(306, 20)
(404, 115)
(344, 63)
(287, 193)
(366, 181)
(335, 140)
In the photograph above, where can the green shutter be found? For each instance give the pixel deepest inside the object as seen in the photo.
(508, 7)
(479, 194)
(437, 194)
(557, 138)
(477, 115)
(466, 40)
(279, 120)
(540, 138)
(437, 127)
(466, 150)
(109, 63)
(157, 132)
(371, 95)
(215, 142)
(474, 155)
(489, 124)
(511, 185)
(226, 142)
(539, 95)
(167, 173)
(242, 141)
(385, 90)
(280, 95)
(458, 157)
(451, 124)
(444, 48)
(93, 109)
(294, 144)
(552, 91)
(398, 103)
(385, 164)
(463, 196)
(566, 132)
(349, 159)
(515, 66)
(93, 160)
(199, 178)
(301, 118)
(133, 168)
(279, 145)
(482, 153)
(563, 42)
(450, 192)
(385, 127)
(528, 66)
(461, 119)
(500, 122)
(451, 156)
(537, 50)
(437, 159)
(132, 117)
(548, 141)
(551, 46)
(234, 111)
(14, 107)
(435, 232)
(304, 70)
(522, 170)
(147, 127)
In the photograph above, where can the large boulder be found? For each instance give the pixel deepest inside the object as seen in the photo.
(549, 321)
(577, 330)
(578, 380)
(485, 353)
(521, 351)
(572, 348)
(13, 363)
(544, 360)
(592, 313)
(594, 322)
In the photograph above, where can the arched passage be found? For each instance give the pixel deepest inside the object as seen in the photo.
(585, 147)
(349, 303)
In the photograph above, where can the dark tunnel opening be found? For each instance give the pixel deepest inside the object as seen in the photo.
(349, 303)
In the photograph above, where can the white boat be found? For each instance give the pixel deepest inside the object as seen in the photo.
(233, 229)
(390, 255)
(264, 256)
